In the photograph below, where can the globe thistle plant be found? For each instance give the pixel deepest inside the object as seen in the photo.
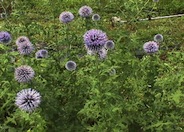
(158, 38)
(66, 17)
(102, 53)
(22, 39)
(28, 99)
(5, 37)
(70, 65)
(96, 17)
(41, 54)
(91, 52)
(150, 47)
(85, 11)
(25, 48)
(95, 39)
(109, 44)
(24, 74)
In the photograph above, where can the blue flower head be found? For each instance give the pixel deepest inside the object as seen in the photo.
(150, 47)
(102, 53)
(5, 37)
(25, 48)
(28, 99)
(85, 11)
(158, 38)
(70, 65)
(24, 74)
(66, 17)
(95, 39)
(109, 44)
(96, 17)
(41, 53)
(22, 39)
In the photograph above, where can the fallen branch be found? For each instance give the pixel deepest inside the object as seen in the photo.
(118, 19)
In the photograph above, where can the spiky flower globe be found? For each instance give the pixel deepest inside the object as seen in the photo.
(85, 11)
(28, 99)
(22, 39)
(66, 17)
(5, 37)
(24, 74)
(96, 17)
(109, 44)
(70, 65)
(25, 48)
(158, 38)
(95, 39)
(90, 52)
(150, 47)
(41, 54)
(102, 53)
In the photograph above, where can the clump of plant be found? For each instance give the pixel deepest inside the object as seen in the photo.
(57, 86)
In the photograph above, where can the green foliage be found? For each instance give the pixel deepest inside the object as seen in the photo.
(124, 92)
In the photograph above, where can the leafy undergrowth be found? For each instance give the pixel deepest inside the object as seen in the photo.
(128, 91)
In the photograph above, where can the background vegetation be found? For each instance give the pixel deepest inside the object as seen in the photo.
(129, 91)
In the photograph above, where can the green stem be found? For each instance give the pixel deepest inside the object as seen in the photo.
(142, 8)
(67, 39)
(87, 23)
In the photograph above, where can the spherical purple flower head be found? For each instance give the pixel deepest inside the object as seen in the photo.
(102, 53)
(5, 37)
(22, 39)
(91, 52)
(70, 65)
(28, 99)
(96, 17)
(109, 44)
(94, 39)
(85, 11)
(25, 48)
(158, 38)
(24, 74)
(66, 17)
(41, 54)
(150, 47)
